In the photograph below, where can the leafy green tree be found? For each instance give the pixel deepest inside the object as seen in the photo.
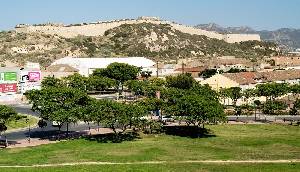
(182, 81)
(117, 115)
(272, 90)
(7, 114)
(98, 83)
(235, 70)
(257, 105)
(121, 72)
(272, 107)
(76, 81)
(199, 110)
(136, 86)
(52, 82)
(208, 73)
(62, 105)
(146, 74)
(158, 82)
(248, 93)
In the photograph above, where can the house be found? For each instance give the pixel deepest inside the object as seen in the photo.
(166, 69)
(248, 80)
(86, 66)
(225, 63)
(194, 71)
(59, 71)
(283, 62)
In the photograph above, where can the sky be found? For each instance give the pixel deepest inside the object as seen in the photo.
(258, 14)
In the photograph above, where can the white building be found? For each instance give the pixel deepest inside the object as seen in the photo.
(86, 66)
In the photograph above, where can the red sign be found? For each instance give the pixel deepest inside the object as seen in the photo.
(6, 88)
(34, 76)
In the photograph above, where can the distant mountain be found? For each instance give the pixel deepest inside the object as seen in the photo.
(287, 38)
(217, 28)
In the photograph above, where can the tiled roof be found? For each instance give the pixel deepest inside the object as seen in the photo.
(245, 78)
(61, 68)
(192, 69)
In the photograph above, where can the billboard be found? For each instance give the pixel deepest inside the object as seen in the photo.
(34, 76)
(9, 76)
(8, 88)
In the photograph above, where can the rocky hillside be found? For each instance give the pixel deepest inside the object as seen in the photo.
(288, 39)
(160, 42)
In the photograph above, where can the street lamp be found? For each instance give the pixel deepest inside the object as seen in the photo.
(27, 122)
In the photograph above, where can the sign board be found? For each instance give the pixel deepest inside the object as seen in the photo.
(9, 76)
(34, 76)
(8, 88)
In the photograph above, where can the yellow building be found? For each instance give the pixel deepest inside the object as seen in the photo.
(220, 81)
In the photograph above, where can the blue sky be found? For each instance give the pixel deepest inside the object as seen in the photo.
(259, 14)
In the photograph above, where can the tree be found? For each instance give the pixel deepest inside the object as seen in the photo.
(207, 73)
(272, 90)
(146, 74)
(158, 82)
(182, 81)
(6, 114)
(121, 72)
(257, 105)
(248, 93)
(98, 83)
(138, 87)
(52, 82)
(296, 107)
(200, 110)
(76, 81)
(62, 105)
(235, 70)
(271, 107)
(117, 115)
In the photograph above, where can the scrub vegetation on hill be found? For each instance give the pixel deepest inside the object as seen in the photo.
(159, 42)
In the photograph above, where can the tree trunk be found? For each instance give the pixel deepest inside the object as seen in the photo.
(67, 129)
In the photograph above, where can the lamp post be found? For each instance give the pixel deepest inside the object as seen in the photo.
(27, 121)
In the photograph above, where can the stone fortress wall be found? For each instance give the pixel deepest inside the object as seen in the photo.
(99, 28)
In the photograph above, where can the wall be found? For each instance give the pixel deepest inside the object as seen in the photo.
(232, 38)
(99, 28)
(219, 81)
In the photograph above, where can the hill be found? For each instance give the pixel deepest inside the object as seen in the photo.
(287, 38)
(156, 41)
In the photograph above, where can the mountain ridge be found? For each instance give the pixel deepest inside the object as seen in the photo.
(287, 38)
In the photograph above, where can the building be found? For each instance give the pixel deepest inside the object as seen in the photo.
(59, 71)
(166, 69)
(86, 66)
(194, 71)
(286, 62)
(248, 80)
(225, 64)
(19, 80)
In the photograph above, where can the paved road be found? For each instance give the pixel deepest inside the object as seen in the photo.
(50, 130)
(38, 132)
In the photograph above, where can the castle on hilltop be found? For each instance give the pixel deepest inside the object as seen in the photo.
(99, 28)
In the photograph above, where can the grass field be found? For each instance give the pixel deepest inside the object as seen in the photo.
(22, 123)
(167, 168)
(231, 142)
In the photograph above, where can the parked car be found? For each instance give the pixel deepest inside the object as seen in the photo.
(167, 118)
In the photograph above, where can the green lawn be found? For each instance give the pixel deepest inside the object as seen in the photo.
(167, 168)
(232, 142)
(22, 122)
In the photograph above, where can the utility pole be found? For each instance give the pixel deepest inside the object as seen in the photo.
(182, 67)
(157, 68)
